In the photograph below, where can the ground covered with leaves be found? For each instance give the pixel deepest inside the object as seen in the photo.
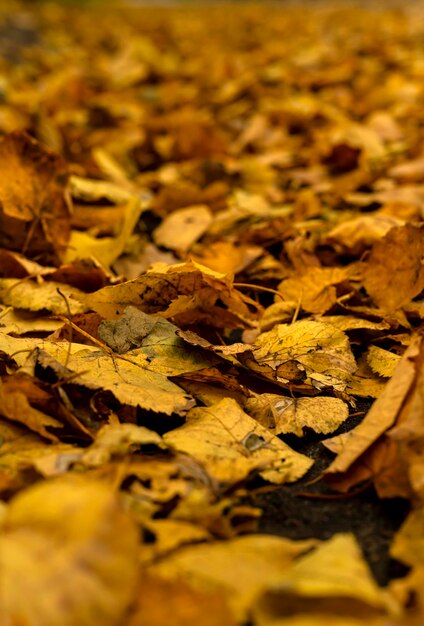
(211, 288)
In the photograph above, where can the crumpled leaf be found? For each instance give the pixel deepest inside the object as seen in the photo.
(393, 272)
(257, 561)
(231, 445)
(282, 415)
(313, 351)
(34, 216)
(117, 440)
(187, 292)
(87, 546)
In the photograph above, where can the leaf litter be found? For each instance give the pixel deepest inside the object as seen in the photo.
(211, 294)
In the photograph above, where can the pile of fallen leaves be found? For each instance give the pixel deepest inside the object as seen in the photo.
(212, 243)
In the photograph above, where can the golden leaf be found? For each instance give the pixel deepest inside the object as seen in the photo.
(315, 348)
(231, 445)
(382, 362)
(284, 415)
(67, 543)
(241, 568)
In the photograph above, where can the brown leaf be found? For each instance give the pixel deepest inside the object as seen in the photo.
(34, 216)
(394, 271)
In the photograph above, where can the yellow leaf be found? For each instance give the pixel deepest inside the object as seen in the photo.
(382, 362)
(34, 296)
(118, 440)
(105, 249)
(15, 406)
(241, 568)
(34, 216)
(68, 555)
(315, 288)
(231, 445)
(284, 415)
(131, 383)
(18, 322)
(333, 578)
(315, 348)
(173, 602)
(182, 228)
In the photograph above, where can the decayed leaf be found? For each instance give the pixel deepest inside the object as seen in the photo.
(382, 362)
(153, 341)
(257, 562)
(188, 293)
(34, 216)
(282, 415)
(315, 349)
(315, 289)
(231, 445)
(182, 228)
(394, 273)
(67, 543)
(332, 579)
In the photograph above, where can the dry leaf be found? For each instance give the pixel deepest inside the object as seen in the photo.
(86, 546)
(315, 349)
(393, 272)
(282, 415)
(34, 216)
(231, 445)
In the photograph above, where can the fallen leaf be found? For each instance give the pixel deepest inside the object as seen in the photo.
(393, 272)
(316, 349)
(257, 561)
(34, 215)
(182, 228)
(282, 415)
(231, 445)
(66, 524)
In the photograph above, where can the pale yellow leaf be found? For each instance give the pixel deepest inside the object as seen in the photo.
(182, 228)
